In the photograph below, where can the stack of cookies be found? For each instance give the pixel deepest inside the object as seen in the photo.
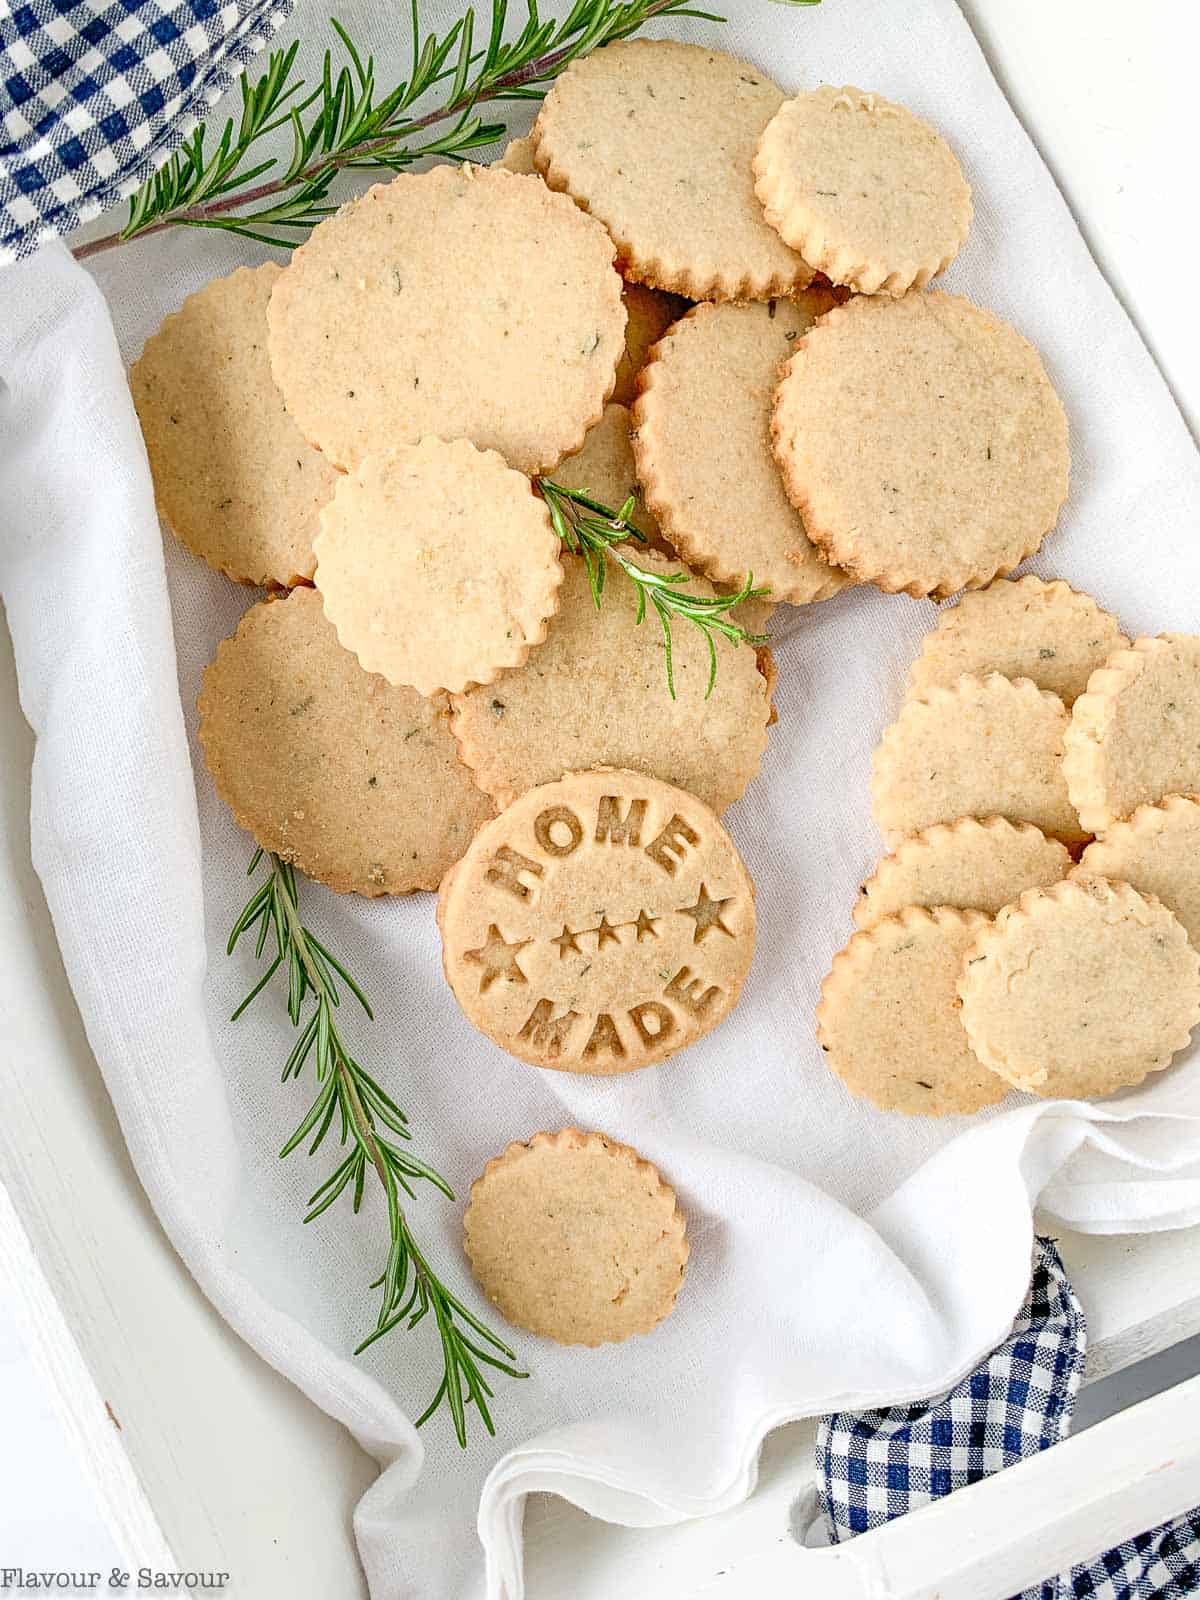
(685, 292)
(1000, 944)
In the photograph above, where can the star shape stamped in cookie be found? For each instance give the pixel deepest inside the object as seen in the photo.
(707, 914)
(567, 940)
(645, 926)
(498, 959)
(606, 932)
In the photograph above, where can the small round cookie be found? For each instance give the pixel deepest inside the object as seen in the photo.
(1157, 850)
(605, 470)
(438, 565)
(922, 442)
(593, 695)
(576, 1237)
(355, 782)
(656, 138)
(989, 747)
(703, 448)
(971, 864)
(648, 312)
(888, 1016)
(1135, 735)
(234, 478)
(599, 924)
(1023, 628)
(868, 193)
(1080, 989)
(465, 302)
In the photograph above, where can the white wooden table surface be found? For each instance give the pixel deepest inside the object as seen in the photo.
(196, 1453)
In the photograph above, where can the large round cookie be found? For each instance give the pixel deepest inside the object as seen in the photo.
(1080, 989)
(464, 302)
(355, 782)
(703, 448)
(922, 442)
(594, 694)
(234, 478)
(599, 924)
(656, 139)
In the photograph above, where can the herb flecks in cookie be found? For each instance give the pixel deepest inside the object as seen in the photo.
(1157, 850)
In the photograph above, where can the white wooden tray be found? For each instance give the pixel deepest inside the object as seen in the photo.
(205, 1458)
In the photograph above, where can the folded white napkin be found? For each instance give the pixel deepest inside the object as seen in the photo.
(840, 1257)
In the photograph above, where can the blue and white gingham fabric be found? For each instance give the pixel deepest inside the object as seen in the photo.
(95, 95)
(876, 1465)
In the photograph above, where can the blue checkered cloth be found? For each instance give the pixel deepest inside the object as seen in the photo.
(96, 94)
(876, 1465)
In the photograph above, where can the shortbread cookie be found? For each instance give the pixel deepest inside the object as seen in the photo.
(989, 747)
(1157, 850)
(599, 924)
(1135, 735)
(575, 1237)
(1023, 628)
(234, 478)
(355, 782)
(888, 1017)
(438, 565)
(868, 193)
(656, 139)
(518, 157)
(972, 864)
(703, 449)
(922, 442)
(465, 302)
(605, 470)
(1080, 989)
(594, 695)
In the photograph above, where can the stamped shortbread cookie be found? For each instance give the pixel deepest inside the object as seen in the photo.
(868, 193)
(1023, 628)
(354, 781)
(1157, 850)
(576, 1237)
(703, 448)
(465, 302)
(922, 442)
(972, 864)
(656, 138)
(888, 1017)
(1080, 989)
(1135, 735)
(438, 565)
(593, 695)
(234, 478)
(605, 470)
(989, 747)
(598, 924)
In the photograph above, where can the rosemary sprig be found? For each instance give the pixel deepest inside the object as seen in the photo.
(211, 184)
(592, 530)
(371, 1125)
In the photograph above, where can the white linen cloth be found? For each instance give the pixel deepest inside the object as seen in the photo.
(840, 1257)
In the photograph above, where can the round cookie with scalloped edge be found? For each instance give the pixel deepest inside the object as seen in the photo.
(988, 747)
(234, 478)
(599, 924)
(888, 1016)
(703, 449)
(972, 864)
(1080, 989)
(464, 302)
(437, 565)
(1157, 850)
(1023, 628)
(1134, 736)
(655, 138)
(866, 191)
(354, 781)
(921, 441)
(594, 694)
(576, 1237)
